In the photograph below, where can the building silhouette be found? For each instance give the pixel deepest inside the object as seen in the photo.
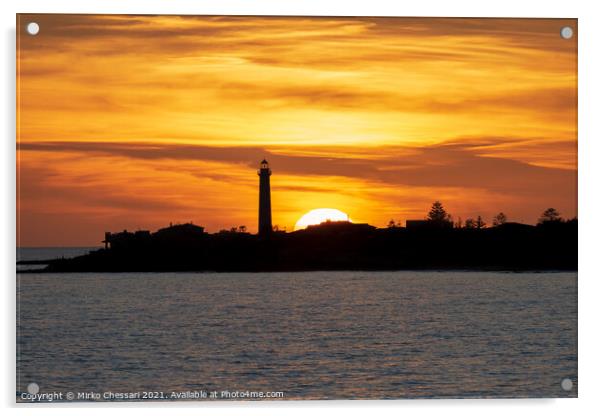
(265, 204)
(428, 224)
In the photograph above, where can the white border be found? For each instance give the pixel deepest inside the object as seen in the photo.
(590, 201)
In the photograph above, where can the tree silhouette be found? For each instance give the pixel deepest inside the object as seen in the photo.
(470, 223)
(393, 224)
(242, 228)
(438, 213)
(479, 223)
(459, 223)
(499, 219)
(550, 215)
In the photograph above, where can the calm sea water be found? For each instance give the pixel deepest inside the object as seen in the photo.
(47, 253)
(319, 335)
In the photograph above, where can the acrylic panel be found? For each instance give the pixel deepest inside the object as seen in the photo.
(295, 208)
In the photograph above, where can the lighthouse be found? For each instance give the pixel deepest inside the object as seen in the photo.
(265, 204)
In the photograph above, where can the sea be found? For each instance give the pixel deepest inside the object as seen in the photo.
(295, 336)
(47, 253)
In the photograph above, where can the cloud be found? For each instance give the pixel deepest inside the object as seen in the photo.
(85, 191)
(452, 164)
(281, 79)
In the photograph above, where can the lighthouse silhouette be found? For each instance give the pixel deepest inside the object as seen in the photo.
(265, 204)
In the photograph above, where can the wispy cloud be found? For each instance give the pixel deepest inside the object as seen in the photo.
(449, 164)
(202, 179)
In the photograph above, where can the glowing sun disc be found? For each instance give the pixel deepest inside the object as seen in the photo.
(320, 215)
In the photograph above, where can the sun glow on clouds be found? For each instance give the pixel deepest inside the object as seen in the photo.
(167, 117)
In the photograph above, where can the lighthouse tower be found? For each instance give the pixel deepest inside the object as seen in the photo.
(265, 204)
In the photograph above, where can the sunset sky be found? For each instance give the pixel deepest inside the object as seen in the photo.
(133, 122)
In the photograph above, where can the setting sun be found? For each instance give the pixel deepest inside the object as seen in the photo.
(320, 215)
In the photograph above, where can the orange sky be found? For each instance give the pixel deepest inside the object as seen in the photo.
(138, 121)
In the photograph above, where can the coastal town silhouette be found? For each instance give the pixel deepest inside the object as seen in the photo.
(435, 242)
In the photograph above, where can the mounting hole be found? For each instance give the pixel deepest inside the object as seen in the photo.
(33, 388)
(566, 32)
(33, 28)
(567, 384)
